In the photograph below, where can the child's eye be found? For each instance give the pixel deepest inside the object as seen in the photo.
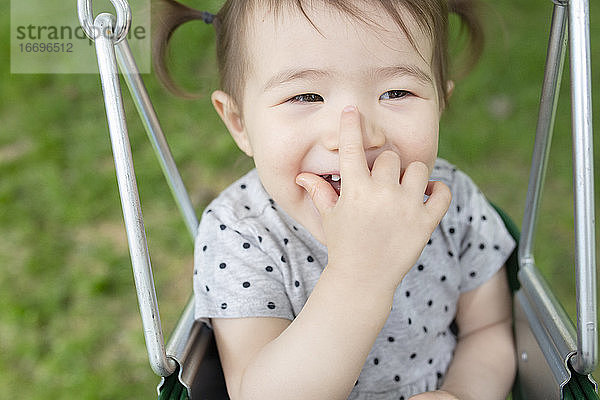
(394, 94)
(306, 98)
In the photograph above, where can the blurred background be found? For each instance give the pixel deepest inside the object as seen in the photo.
(69, 323)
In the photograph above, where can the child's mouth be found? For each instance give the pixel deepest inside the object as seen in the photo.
(334, 180)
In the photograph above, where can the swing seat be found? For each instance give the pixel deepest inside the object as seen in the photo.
(534, 381)
(193, 345)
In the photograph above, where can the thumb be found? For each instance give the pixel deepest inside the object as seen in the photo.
(321, 193)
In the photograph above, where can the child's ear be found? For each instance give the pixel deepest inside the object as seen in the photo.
(229, 113)
(449, 90)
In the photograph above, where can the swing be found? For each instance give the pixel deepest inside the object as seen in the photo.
(555, 360)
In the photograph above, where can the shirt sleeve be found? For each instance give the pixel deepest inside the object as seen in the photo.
(485, 244)
(233, 276)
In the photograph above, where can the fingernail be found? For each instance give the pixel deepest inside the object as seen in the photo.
(300, 181)
(349, 109)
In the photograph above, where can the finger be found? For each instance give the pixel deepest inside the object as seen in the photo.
(439, 199)
(321, 193)
(387, 167)
(415, 177)
(353, 161)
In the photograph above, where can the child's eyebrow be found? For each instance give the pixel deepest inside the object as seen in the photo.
(376, 74)
(402, 70)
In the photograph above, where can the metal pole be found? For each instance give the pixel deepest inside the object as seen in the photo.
(155, 134)
(583, 184)
(543, 137)
(130, 201)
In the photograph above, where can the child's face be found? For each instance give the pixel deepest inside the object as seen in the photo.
(300, 80)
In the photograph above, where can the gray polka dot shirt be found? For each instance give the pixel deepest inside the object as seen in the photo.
(253, 260)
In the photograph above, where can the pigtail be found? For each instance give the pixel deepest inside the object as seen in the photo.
(168, 16)
(469, 14)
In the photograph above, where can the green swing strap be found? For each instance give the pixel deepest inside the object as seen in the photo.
(579, 387)
(512, 263)
(173, 389)
(586, 386)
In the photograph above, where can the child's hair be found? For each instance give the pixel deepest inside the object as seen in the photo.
(231, 23)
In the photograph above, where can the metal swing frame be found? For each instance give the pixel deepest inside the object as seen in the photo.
(547, 341)
(547, 322)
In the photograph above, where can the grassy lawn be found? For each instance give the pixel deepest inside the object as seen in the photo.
(69, 325)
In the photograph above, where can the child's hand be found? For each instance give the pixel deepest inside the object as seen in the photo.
(378, 227)
(437, 395)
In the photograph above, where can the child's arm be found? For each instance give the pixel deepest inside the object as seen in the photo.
(317, 356)
(375, 232)
(484, 363)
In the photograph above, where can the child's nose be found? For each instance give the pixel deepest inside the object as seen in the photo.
(372, 133)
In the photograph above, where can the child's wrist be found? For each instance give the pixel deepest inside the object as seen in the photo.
(360, 282)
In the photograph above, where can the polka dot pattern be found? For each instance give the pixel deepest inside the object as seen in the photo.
(253, 260)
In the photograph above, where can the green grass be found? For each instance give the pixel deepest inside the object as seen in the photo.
(69, 325)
